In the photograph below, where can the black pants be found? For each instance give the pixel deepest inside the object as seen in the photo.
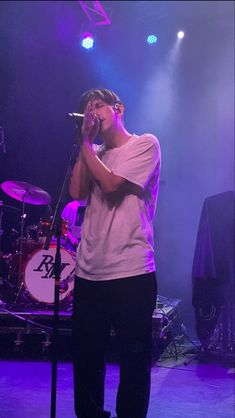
(128, 305)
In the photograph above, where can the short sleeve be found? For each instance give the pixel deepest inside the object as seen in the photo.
(139, 160)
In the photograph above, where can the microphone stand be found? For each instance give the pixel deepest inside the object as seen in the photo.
(56, 221)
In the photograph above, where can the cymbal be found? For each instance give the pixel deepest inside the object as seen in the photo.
(26, 192)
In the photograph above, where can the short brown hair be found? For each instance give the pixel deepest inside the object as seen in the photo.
(108, 96)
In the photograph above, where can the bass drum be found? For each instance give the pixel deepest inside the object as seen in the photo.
(39, 277)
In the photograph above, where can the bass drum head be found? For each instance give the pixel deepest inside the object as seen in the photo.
(39, 276)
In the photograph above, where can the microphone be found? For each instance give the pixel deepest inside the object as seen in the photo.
(75, 116)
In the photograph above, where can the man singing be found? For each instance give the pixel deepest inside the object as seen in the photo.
(115, 281)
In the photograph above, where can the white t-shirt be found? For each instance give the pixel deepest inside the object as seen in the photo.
(117, 232)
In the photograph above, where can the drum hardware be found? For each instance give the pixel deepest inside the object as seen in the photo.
(2, 141)
(6, 257)
(5, 209)
(21, 237)
(64, 285)
(37, 233)
(6, 264)
(45, 225)
(14, 232)
(32, 233)
(25, 193)
(1, 230)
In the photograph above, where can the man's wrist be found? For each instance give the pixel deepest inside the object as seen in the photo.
(86, 144)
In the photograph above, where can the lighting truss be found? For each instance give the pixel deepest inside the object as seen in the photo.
(95, 13)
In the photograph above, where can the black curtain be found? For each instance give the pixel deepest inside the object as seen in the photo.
(213, 272)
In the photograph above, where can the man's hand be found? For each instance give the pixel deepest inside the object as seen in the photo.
(91, 124)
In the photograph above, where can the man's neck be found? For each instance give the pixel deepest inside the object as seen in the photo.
(117, 138)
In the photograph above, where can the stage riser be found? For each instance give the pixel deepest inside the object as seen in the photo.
(22, 338)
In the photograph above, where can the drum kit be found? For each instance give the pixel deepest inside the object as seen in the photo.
(28, 269)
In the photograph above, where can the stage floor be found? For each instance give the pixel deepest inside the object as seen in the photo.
(202, 388)
(178, 391)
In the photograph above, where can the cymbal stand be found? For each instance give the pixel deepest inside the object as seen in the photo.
(1, 230)
(2, 141)
(1, 233)
(20, 272)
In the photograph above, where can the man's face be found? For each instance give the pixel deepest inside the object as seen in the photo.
(105, 112)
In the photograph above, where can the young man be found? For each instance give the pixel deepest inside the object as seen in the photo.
(115, 271)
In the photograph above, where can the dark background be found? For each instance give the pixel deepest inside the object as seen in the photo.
(183, 92)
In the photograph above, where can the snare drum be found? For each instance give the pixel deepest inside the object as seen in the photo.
(39, 276)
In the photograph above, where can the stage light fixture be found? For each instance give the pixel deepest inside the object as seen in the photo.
(180, 34)
(87, 40)
(152, 39)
